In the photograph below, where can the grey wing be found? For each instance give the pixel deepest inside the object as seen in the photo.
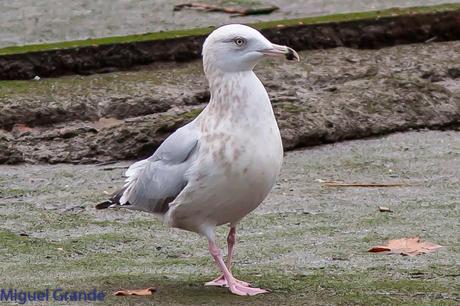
(153, 183)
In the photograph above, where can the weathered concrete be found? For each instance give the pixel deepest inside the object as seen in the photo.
(30, 21)
(367, 32)
(329, 96)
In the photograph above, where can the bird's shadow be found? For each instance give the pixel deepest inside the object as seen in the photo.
(168, 290)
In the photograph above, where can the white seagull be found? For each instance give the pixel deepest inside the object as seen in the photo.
(221, 166)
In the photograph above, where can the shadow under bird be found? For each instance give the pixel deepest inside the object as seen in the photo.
(221, 166)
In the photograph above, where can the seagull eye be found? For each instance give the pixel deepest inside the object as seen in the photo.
(239, 41)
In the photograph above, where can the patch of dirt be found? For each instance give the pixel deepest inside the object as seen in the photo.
(331, 95)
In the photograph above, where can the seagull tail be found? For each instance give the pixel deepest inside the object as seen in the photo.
(104, 205)
(113, 201)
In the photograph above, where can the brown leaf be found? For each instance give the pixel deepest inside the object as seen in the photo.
(136, 292)
(406, 246)
(20, 129)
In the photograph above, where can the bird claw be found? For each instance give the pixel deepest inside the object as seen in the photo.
(222, 282)
(242, 290)
(237, 287)
(218, 282)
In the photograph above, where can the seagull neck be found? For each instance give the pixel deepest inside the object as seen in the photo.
(236, 96)
(238, 101)
(220, 81)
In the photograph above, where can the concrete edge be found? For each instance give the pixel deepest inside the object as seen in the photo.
(372, 32)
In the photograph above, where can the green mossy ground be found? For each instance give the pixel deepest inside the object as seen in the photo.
(307, 243)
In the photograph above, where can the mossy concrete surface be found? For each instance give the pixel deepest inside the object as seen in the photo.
(373, 29)
(307, 242)
(206, 30)
(28, 22)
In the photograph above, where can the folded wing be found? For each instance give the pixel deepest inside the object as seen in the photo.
(153, 183)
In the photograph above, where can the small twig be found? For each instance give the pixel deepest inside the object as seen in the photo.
(431, 39)
(110, 162)
(384, 209)
(230, 10)
(114, 168)
(337, 184)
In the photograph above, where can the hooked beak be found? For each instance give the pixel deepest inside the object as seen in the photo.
(278, 50)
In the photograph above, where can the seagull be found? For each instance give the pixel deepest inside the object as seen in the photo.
(221, 166)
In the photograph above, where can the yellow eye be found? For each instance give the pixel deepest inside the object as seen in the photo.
(239, 41)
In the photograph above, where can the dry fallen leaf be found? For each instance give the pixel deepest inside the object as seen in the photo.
(339, 184)
(137, 292)
(21, 128)
(406, 246)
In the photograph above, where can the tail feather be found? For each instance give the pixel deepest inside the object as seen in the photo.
(113, 201)
(104, 205)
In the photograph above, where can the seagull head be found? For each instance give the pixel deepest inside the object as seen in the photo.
(236, 47)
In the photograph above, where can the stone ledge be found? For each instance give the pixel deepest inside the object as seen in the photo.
(357, 30)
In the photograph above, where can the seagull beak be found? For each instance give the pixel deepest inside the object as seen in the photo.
(278, 50)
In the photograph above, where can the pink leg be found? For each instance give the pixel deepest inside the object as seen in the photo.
(231, 239)
(221, 281)
(234, 286)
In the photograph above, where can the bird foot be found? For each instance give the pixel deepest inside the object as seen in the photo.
(222, 282)
(237, 287)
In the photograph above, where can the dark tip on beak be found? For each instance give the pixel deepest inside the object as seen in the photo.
(291, 55)
(279, 50)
